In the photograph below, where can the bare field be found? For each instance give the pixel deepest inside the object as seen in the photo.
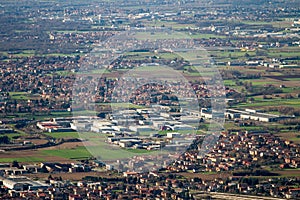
(66, 145)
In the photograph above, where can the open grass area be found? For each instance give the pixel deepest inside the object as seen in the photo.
(95, 71)
(121, 105)
(229, 83)
(81, 112)
(61, 54)
(272, 102)
(160, 35)
(25, 53)
(284, 52)
(290, 89)
(277, 24)
(22, 159)
(19, 95)
(73, 153)
(233, 55)
(174, 25)
(12, 135)
(291, 136)
(64, 73)
(206, 36)
(57, 114)
(262, 82)
(295, 139)
(64, 135)
(96, 146)
(292, 79)
(138, 150)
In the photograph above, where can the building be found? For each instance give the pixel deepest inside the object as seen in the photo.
(173, 135)
(22, 183)
(250, 114)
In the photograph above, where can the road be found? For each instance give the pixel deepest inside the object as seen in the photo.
(223, 196)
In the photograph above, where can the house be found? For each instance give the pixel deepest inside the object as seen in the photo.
(182, 127)
(173, 135)
(109, 167)
(293, 193)
(128, 174)
(140, 128)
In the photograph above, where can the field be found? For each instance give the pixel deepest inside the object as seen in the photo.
(160, 35)
(93, 145)
(19, 95)
(29, 156)
(120, 105)
(96, 144)
(206, 176)
(64, 135)
(292, 136)
(75, 153)
(22, 159)
(272, 102)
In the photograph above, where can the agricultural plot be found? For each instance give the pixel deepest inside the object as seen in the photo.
(64, 135)
(19, 95)
(71, 153)
(272, 102)
(22, 159)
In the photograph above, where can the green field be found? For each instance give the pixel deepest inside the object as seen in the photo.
(283, 54)
(74, 153)
(273, 102)
(290, 89)
(120, 105)
(292, 79)
(234, 55)
(160, 35)
(100, 149)
(63, 73)
(95, 71)
(19, 95)
(25, 53)
(206, 36)
(138, 150)
(64, 135)
(229, 83)
(295, 139)
(11, 135)
(174, 25)
(22, 159)
(82, 112)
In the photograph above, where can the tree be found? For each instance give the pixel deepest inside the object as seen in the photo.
(4, 140)
(50, 177)
(15, 164)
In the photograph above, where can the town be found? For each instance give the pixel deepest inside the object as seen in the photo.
(149, 99)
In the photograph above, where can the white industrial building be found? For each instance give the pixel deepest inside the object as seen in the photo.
(256, 115)
(22, 183)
